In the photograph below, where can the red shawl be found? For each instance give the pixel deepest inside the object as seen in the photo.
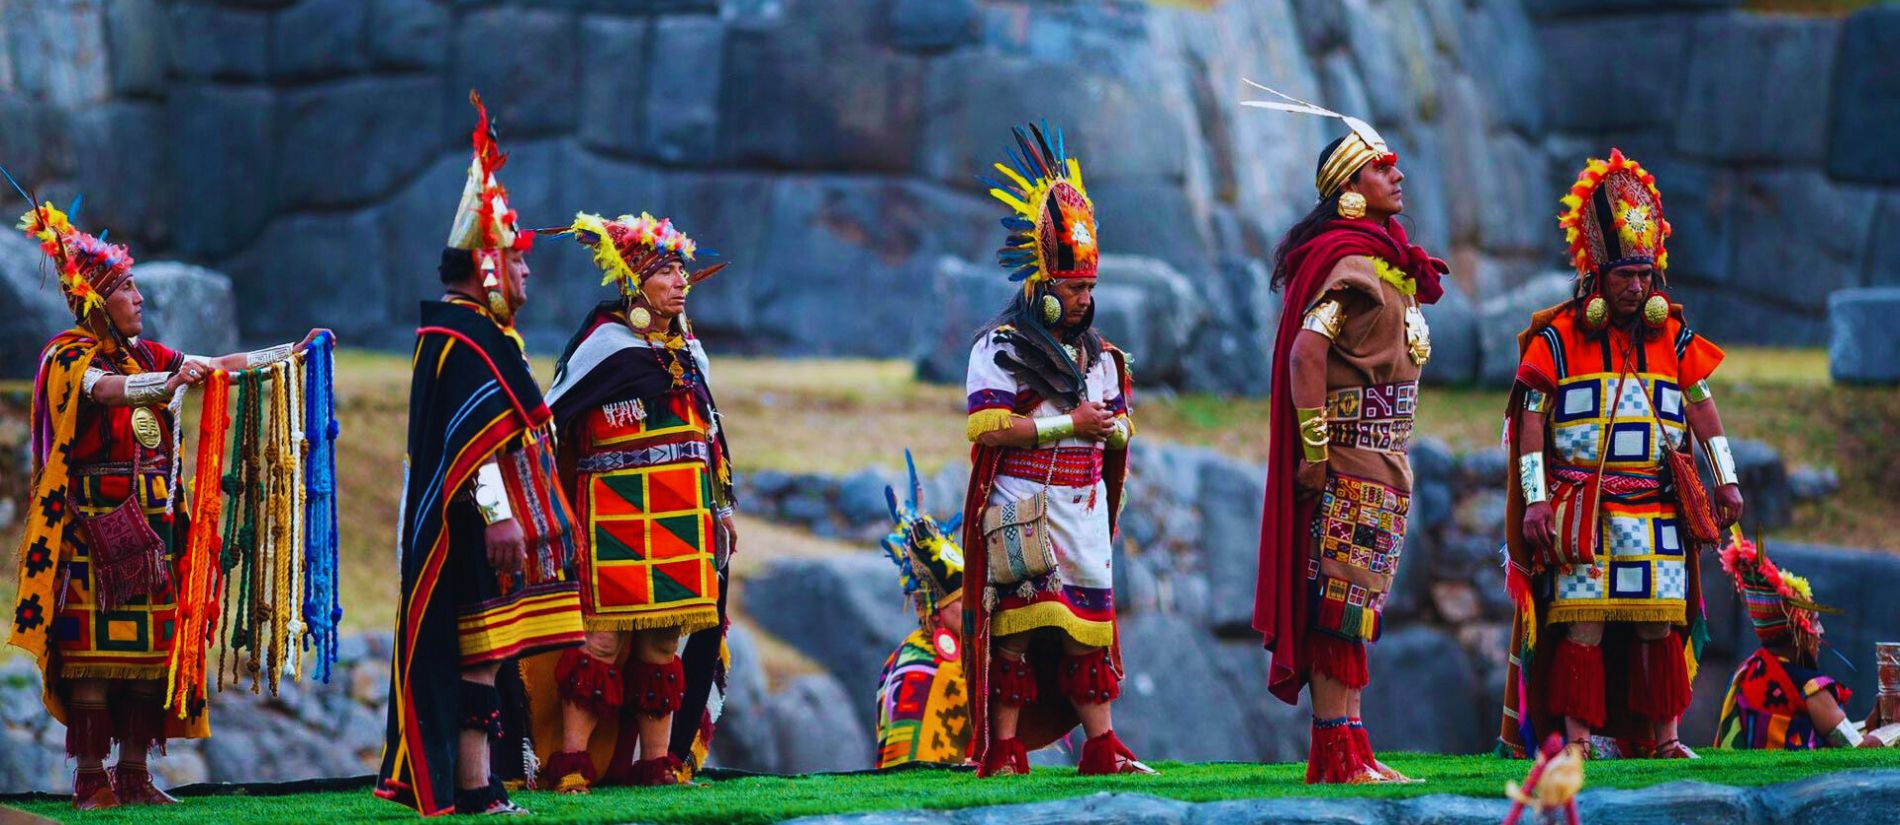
(1279, 607)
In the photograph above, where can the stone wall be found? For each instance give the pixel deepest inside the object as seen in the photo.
(314, 149)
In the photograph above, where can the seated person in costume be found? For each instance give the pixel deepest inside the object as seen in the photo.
(1048, 414)
(97, 604)
(923, 702)
(1608, 516)
(646, 463)
(1779, 699)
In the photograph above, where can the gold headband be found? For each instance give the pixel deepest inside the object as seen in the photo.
(1353, 153)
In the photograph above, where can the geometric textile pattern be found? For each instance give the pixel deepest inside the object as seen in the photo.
(650, 536)
(133, 641)
(1642, 577)
(1360, 532)
(923, 706)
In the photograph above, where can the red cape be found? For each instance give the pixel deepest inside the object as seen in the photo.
(1279, 606)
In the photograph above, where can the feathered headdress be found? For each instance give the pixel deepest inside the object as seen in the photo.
(1052, 230)
(1780, 604)
(483, 220)
(90, 269)
(1613, 216)
(1361, 146)
(929, 562)
(629, 248)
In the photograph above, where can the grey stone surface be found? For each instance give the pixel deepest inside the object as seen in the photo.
(1504, 316)
(1688, 803)
(347, 296)
(408, 34)
(315, 38)
(932, 25)
(139, 36)
(680, 117)
(1640, 93)
(817, 728)
(1756, 89)
(189, 308)
(125, 144)
(1232, 351)
(529, 85)
(839, 611)
(1853, 796)
(1231, 495)
(1150, 310)
(1169, 665)
(1456, 332)
(1864, 341)
(1836, 219)
(612, 93)
(210, 42)
(28, 286)
(334, 121)
(1868, 96)
(1104, 808)
(1432, 665)
(220, 133)
(967, 296)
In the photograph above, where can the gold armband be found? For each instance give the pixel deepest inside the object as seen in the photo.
(1530, 477)
(1313, 434)
(1325, 319)
(1722, 461)
(1053, 428)
(1536, 402)
(1698, 392)
(1123, 431)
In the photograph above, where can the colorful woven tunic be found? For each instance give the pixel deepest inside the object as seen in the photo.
(472, 399)
(1767, 705)
(1371, 396)
(923, 706)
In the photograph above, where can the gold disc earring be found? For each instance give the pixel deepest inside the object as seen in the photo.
(1352, 205)
(1596, 312)
(1051, 309)
(639, 317)
(1656, 311)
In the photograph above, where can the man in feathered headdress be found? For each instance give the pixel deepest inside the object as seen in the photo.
(1048, 414)
(1346, 362)
(645, 461)
(923, 701)
(1606, 512)
(487, 537)
(97, 606)
(1779, 699)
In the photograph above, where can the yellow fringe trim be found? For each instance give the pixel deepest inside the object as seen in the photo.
(1673, 614)
(1056, 615)
(689, 621)
(81, 670)
(987, 421)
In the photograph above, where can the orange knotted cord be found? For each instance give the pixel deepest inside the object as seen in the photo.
(197, 603)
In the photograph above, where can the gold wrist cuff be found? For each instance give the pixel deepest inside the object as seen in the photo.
(1536, 402)
(1530, 477)
(1313, 433)
(1325, 319)
(1698, 392)
(1053, 428)
(1124, 430)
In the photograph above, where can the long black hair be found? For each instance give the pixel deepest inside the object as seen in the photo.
(1309, 226)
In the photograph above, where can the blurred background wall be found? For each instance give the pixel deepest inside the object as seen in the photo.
(313, 150)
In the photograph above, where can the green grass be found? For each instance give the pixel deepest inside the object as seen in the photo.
(772, 799)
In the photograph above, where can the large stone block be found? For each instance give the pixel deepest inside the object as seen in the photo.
(1502, 317)
(838, 611)
(291, 279)
(1864, 342)
(1756, 89)
(355, 141)
(1174, 703)
(746, 739)
(1798, 221)
(1730, 317)
(967, 296)
(124, 147)
(1883, 245)
(319, 38)
(1641, 89)
(1232, 494)
(817, 728)
(1233, 349)
(140, 42)
(525, 62)
(222, 134)
(189, 308)
(932, 25)
(799, 112)
(681, 116)
(1433, 665)
(219, 43)
(1867, 95)
(1562, 8)
(37, 310)
(1456, 349)
(1508, 69)
(612, 115)
(1150, 310)
(1701, 203)
(408, 34)
(57, 51)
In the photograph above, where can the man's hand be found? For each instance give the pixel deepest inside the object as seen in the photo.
(1540, 529)
(1311, 476)
(1093, 421)
(308, 337)
(507, 547)
(1728, 504)
(732, 536)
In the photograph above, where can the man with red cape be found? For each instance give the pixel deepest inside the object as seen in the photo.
(1351, 344)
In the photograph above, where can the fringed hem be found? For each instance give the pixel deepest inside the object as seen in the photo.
(983, 422)
(587, 683)
(1342, 660)
(84, 670)
(1667, 613)
(655, 689)
(1012, 682)
(1052, 614)
(1089, 678)
(689, 620)
(1659, 686)
(1334, 755)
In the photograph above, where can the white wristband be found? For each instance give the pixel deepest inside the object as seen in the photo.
(266, 357)
(147, 388)
(1722, 461)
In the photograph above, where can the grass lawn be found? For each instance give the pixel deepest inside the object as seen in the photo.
(771, 799)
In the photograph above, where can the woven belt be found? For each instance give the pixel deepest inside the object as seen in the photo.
(1074, 466)
(656, 455)
(1390, 436)
(150, 465)
(1616, 484)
